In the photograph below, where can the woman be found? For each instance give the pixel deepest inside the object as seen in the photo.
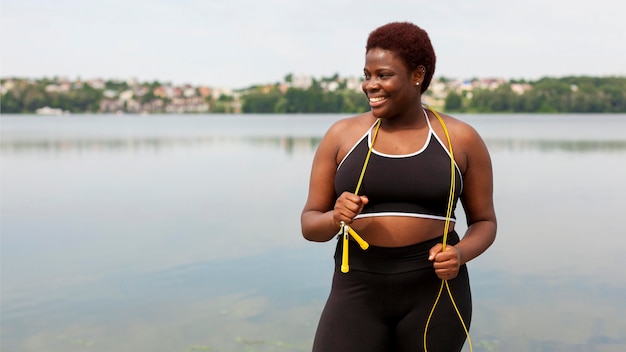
(383, 298)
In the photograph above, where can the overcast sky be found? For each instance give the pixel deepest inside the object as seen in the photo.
(237, 43)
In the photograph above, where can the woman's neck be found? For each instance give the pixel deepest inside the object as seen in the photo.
(410, 119)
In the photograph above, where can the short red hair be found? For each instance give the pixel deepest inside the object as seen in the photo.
(410, 43)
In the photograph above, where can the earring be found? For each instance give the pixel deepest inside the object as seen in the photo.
(417, 83)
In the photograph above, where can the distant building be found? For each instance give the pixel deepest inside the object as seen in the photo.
(354, 83)
(126, 95)
(330, 86)
(204, 91)
(301, 81)
(520, 89)
(97, 83)
(46, 110)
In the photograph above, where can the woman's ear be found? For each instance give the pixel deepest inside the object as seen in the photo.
(418, 75)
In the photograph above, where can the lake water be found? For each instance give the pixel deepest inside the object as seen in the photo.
(181, 233)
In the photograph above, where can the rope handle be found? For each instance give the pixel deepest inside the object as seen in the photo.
(345, 231)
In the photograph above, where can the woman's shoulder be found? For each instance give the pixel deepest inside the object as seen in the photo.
(458, 127)
(465, 139)
(344, 133)
(351, 126)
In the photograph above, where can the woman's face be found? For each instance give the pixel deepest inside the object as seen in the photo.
(388, 84)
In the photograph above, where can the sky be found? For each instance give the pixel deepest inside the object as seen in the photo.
(239, 43)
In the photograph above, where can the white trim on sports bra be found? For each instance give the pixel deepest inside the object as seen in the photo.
(409, 215)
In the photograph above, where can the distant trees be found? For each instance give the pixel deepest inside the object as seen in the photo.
(27, 98)
(454, 102)
(547, 95)
(257, 101)
(314, 99)
(576, 94)
(223, 104)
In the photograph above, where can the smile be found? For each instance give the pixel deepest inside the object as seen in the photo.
(377, 99)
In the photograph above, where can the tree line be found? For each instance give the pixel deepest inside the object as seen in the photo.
(546, 95)
(315, 99)
(27, 97)
(579, 94)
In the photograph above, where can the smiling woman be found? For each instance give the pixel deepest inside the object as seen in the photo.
(394, 175)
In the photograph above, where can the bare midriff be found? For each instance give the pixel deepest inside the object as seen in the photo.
(398, 231)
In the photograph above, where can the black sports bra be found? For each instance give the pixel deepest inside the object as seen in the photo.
(413, 185)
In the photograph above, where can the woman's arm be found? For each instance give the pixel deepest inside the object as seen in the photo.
(322, 213)
(477, 200)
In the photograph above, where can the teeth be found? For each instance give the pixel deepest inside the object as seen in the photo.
(374, 100)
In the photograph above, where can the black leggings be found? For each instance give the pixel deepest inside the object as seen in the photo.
(382, 304)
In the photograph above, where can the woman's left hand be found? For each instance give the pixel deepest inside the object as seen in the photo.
(446, 263)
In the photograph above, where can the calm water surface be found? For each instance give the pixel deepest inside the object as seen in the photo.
(181, 233)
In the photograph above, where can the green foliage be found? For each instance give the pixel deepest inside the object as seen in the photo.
(30, 97)
(116, 85)
(454, 102)
(261, 102)
(149, 96)
(300, 101)
(548, 95)
(10, 103)
(574, 94)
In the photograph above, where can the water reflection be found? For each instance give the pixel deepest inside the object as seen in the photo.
(543, 313)
(573, 146)
(222, 305)
(288, 144)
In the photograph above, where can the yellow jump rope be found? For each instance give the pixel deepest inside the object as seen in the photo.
(346, 231)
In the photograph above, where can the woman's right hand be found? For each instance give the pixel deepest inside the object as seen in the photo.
(347, 206)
